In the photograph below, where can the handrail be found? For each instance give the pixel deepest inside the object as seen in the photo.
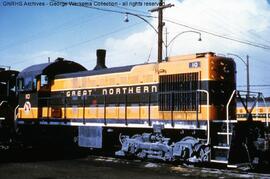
(15, 117)
(207, 114)
(48, 99)
(227, 115)
(257, 114)
(266, 109)
(2, 102)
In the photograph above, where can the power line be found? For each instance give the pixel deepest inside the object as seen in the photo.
(266, 47)
(98, 37)
(105, 10)
(64, 26)
(126, 8)
(263, 46)
(60, 27)
(254, 85)
(225, 24)
(150, 16)
(81, 43)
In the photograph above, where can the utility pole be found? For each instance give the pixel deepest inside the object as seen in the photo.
(159, 9)
(160, 30)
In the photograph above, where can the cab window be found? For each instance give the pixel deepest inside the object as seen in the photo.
(20, 85)
(35, 83)
(43, 80)
(3, 88)
(28, 82)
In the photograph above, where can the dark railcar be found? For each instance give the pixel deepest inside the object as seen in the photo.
(8, 103)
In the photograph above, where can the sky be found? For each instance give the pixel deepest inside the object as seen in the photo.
(31, 34)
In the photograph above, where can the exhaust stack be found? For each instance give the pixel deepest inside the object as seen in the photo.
(101, 54)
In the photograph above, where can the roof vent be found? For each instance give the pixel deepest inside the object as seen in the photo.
(59, 59)
(101, 54)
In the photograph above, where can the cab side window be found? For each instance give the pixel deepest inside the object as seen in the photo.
(20, 84)
(35, 83)
(28, 82)
(3, 88)
(43, 80)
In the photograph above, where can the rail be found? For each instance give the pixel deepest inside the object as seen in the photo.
(207, 115)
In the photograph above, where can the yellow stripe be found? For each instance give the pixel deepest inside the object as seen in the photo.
(133, 112)
(32, 114)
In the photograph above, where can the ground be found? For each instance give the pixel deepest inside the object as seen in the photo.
(63, 163)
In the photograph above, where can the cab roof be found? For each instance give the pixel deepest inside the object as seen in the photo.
(59, 66)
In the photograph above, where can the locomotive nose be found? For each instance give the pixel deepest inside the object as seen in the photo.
(101, 54)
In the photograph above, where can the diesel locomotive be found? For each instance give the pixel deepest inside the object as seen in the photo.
(182, 109)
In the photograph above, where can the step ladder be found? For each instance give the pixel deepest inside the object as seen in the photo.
(221, 147)
(222, 135)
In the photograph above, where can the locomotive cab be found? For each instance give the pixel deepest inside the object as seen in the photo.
(34, 82)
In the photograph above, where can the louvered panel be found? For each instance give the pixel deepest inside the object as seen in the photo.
(178, 92)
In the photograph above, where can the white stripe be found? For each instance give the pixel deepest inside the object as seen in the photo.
(145, 125)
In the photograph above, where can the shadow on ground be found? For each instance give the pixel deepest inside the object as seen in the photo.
(37, 154)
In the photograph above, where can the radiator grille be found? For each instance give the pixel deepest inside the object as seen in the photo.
(178, 92)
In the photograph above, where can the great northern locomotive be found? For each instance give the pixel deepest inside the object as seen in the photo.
(182, 109)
